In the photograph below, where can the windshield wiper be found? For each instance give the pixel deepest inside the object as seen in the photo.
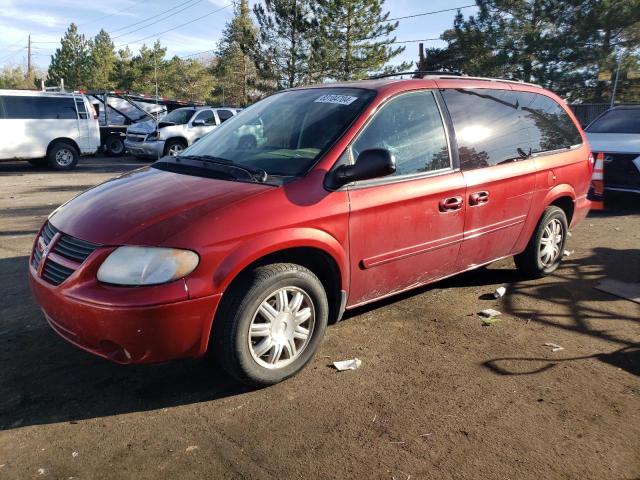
(256, 174)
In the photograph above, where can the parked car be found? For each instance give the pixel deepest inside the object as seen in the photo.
(353, 193)
(616, 133)
(174, 132)
(47, 128)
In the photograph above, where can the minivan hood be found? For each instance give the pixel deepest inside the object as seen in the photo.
(146, 206)
(614, 142)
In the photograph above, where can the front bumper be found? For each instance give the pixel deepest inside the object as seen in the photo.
(145, 149)
(123, 324)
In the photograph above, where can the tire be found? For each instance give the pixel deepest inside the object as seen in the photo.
(38, 162)
(174, 147)
(534, 261)
(62, 156)
(114, 146)
(252, 358)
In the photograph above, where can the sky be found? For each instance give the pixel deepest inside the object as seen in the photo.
(134, 22)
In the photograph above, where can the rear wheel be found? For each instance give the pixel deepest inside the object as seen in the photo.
(114, 146)
(62, 156)
(270, 324)
(545, 249)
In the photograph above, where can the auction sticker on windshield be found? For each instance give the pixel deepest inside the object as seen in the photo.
(339, 99)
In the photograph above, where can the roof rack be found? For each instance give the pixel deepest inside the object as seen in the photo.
(416, 74)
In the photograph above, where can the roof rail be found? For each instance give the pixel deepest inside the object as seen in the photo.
(417, 74)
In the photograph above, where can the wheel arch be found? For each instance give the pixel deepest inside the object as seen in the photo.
(68, 140)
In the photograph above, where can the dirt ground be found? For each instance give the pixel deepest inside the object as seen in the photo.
(438, 395)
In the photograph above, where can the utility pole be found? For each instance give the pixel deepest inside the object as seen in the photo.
(615, 81)
(29, 56)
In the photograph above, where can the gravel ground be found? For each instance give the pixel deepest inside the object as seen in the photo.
(438, 395)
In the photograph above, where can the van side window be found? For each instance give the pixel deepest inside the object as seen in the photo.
(39, 108)
(411, 128)
(547, 124)
(207, 117)
(487, 126)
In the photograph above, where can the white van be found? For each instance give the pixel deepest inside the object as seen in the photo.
(47, 128)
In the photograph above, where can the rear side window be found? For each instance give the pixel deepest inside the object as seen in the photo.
(38, 108)
(410, 127)
(487, 126)
(619, 120)
(224, 115)
(547, 124)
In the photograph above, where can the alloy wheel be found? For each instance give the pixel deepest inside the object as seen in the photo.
(551, 243)
(64, 157)
(281, 327)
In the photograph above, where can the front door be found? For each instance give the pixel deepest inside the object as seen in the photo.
(206, 121)
(405, 229)
(494, 151)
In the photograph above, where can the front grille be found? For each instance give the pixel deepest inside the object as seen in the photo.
(66, 246)
(74, 248)
(621, 170)
(55, 273)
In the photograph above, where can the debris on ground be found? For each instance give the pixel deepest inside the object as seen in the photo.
(554, 346)
(566, 253)
(41, 471)
(628, 291)
(500, 291)
(74, 454)
(191, 448)
(351, 364)
(489, 316)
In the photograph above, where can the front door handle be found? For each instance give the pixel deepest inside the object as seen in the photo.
(478, 198)
(451, 204)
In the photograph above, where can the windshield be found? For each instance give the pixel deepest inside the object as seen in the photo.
(286, 133)
(618, 120)
(179, 116)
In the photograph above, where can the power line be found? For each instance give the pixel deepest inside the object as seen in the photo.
(152, 17)
(155, 35)
(157, 21)
(419, 40)
(106, 16)
(430, 13)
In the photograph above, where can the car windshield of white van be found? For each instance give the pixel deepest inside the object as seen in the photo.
(179, 116)
(618, 120)
(283, 135)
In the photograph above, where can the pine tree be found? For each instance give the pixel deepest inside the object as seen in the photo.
(190, 79)
(123, 76)
(355, 38)
(236, 69)
(287, 30)
(72, 61)
(103, 62)
(147, 67)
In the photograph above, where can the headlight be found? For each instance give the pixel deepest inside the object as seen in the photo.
(146, 266)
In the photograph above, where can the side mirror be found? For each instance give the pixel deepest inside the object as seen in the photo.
(372, 163)
(198, 123)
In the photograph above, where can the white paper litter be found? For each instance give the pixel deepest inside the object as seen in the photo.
(74, 454)
(554, 346)
(489, 312)
(500, 291)
(347, 364)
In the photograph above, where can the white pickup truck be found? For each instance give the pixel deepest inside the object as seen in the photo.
(174, 132)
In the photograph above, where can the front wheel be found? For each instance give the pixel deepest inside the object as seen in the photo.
(270, 324)
(114, 146)
(545, 249)
(174, 148)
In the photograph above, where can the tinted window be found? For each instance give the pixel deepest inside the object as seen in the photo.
(547, 124)
(206, 117)
(619, 120)
(39, 108)
(224, 115)
(487, 126)
(411, 128)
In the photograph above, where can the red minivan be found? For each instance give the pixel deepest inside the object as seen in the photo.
(312, 201)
